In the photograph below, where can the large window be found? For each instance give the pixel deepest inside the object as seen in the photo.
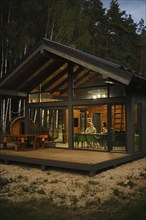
(54, 88)
(83, 117)
(54, 123)
(88, 84)
(91, 92)
(56, 96)
(80, 83)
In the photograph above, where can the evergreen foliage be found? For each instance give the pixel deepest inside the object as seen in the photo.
(84, 24)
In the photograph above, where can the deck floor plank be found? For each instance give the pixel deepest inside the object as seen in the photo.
(77, 158)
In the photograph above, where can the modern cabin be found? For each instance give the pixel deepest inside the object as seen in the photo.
(64, 89)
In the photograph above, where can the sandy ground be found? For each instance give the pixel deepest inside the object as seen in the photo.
(66, 188)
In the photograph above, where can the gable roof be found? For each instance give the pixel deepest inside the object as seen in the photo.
(50, 57)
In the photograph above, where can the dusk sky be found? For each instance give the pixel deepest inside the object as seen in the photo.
(137, 8)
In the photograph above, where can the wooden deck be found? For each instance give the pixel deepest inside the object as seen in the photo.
(71, 159)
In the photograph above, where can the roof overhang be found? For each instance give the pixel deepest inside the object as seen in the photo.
(102, 66)
(49, 57)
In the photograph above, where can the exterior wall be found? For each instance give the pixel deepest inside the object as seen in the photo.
(136, 97)
(144, 126)
(129, 101)
(130, 128)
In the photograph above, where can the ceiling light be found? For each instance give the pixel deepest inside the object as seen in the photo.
(94, 97)
(109, 82)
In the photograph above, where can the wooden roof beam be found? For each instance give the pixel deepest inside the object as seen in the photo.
(7, 92)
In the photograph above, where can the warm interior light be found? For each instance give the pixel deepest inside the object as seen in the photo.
(109, 82)
(98, 93)
(94, 97)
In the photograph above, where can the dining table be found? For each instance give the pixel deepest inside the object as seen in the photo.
(22, 141)
(90, 139)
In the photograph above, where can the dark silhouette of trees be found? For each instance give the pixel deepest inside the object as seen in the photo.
(84, 24)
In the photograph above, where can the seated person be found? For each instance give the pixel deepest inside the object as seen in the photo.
(90, 129)
(104, 128)
(91, 140)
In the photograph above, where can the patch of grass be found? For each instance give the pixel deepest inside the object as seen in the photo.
(119, 194)
(121, 184)
(129, 183)
(29, 188)
(41, 191)
(61, 196)
(134, 211)
(45, 180)
(92, 182)
(93, 203)
(26, 189)
(142, 175)
(141, 191)
(48, 173)
(54, 181)
(74, 200)
(3, 182)
(20, 177)
(6, 181)
(34, 209)
(112, 202)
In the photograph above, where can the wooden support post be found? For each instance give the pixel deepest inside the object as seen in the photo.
(5, 141)
(92, 171)
(115, 165)
(43, 167)
(17, 144)
(22, 142)
(42, 142)
(34, 143)
(7, 162)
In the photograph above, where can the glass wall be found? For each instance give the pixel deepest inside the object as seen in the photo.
(53, 123)
(93, 85)
(57, 96)
(118, 129)
(54, 88)
(91, 93)
(88, 127)
(137, 127)
(87, 85)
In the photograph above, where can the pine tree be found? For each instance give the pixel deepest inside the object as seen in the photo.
(142, 48)
(62, 20)
(94, 12)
